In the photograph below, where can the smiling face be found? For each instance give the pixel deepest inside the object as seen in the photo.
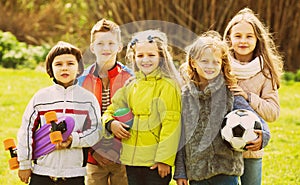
(208, 66)
(106, 47)
(243, 41)
(146, 57)
(65, 69)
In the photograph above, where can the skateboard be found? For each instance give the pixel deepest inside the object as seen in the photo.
(56, 130)
(9, 144)
(45, 138)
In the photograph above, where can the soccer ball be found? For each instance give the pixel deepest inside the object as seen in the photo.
(238, 128)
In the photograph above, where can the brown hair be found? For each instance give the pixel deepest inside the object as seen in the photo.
(212, 40)
(265, 45)
(63, 48)
(106, 26)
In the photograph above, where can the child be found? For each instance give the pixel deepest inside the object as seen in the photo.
(66, 165)
(103, 79)
(150, 146)
(258, 66)
(205, 158)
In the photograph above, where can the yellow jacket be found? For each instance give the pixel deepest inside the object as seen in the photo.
(155, 102)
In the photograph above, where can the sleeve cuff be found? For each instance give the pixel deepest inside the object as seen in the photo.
(75, 140)
(25, 165)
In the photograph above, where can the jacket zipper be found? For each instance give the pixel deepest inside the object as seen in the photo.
(137, 134)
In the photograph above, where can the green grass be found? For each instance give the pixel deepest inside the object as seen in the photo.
(281, 162)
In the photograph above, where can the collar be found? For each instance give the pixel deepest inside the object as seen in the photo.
(248, 70)
(154, 75)
(213, 86)
(114, 71)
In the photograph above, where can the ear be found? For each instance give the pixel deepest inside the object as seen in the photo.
(92, 48)
(120, 47)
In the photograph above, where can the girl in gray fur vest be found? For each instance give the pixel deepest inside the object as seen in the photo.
(203, 158)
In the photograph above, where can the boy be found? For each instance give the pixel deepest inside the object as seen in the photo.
(66, 164)
(103, 79)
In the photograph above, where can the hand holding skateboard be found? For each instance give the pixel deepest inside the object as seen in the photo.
(56, 132)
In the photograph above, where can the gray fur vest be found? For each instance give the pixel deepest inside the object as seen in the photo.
(204, 152)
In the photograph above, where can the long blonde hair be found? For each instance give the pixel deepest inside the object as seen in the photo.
(160, 38)
(212, 40)
(265, 46)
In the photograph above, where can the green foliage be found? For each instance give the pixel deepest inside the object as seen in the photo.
(288, 76)
(15, 54)
(297, 76)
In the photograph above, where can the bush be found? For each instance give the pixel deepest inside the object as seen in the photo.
(15, 54)
(297, 76)
(288, 76)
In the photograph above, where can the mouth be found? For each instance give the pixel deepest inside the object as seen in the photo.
(243, 47)
(105, 54)
(209, 72)
(64, 75)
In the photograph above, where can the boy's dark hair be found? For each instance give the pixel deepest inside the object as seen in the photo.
(63, 48)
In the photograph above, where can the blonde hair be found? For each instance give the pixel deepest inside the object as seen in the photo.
(106, 26)
(265, 46)
(160, 39)
(208, 40)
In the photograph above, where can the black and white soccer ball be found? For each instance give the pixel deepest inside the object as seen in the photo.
(238, 128)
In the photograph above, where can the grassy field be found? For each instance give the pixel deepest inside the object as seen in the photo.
(281, 162)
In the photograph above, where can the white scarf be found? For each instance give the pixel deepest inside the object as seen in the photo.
(246, 71)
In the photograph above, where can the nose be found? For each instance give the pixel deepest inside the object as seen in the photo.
(106, 47)
(145, 59)
(64, 67)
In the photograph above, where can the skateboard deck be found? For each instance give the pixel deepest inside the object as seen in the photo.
(42, 144)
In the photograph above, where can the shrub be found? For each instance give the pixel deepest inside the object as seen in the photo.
(297, 76)
(15, 54)
(289, 76)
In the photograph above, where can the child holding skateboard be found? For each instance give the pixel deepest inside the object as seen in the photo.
(66, 164)
(149, 146)
(103, 79)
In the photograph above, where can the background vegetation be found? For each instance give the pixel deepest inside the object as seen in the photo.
(280, 163)
(45, 22)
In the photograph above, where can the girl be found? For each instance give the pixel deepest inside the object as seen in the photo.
(205, 158)
(258, 66)
(149, 147)
(66, 165)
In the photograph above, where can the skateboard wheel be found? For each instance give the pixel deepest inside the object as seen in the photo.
(55, 137)
(50, 116)
(13, 163)
(9, 143)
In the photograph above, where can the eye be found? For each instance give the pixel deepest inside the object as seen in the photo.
(57, 64)
(139, 55)
(100, 43)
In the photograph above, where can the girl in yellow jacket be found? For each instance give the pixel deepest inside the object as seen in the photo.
(149, 146)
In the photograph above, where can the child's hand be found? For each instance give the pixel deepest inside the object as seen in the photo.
(118, 128)
(24, 175)
(163, 169)
(182, 182)
(256, 144)
(65, 144)
(238, 91)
